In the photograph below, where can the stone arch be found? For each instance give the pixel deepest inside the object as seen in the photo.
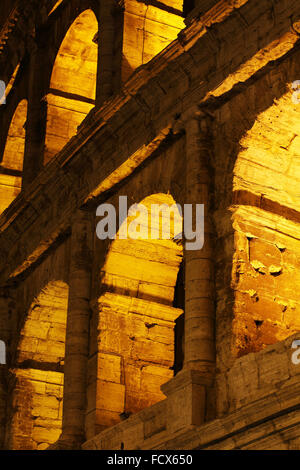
(38, 364)
(12, 79)
(136, 319)
(148, 29)
(72, 89)
(267, 173)
(262, 180)
(13, 155)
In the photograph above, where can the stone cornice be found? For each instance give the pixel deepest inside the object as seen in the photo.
(263, 419)
(269, 417)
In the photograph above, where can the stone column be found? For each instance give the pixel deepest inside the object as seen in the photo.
(7, 306)
(36, 116)
(191, 387)
(77, 335)
(199, 353)
(106, 42)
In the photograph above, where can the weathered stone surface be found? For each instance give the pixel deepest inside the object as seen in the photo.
(107, 99)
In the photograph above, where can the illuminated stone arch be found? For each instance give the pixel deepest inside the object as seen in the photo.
(12, 79)
(13, 156)
(266, 222)
(72, 90)
(37, 398)
(137, 311)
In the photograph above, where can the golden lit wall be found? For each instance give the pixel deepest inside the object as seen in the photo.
(267, 301)
(73, 83)
(147, 31)
(136, 320)
(10, 183)
(38, 392)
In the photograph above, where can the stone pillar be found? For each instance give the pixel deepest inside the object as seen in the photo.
(106, 42)
(199, 352)
(190, 388)
(77, 336)
(7, 304)
(36, 117)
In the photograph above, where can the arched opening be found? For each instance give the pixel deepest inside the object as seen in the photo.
(36, 408)
(137, 315)
(12, 80)
(73, 83)
(266, 221)
(149, 27)
(12, 162)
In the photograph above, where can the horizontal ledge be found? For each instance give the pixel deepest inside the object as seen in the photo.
(246, 198)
